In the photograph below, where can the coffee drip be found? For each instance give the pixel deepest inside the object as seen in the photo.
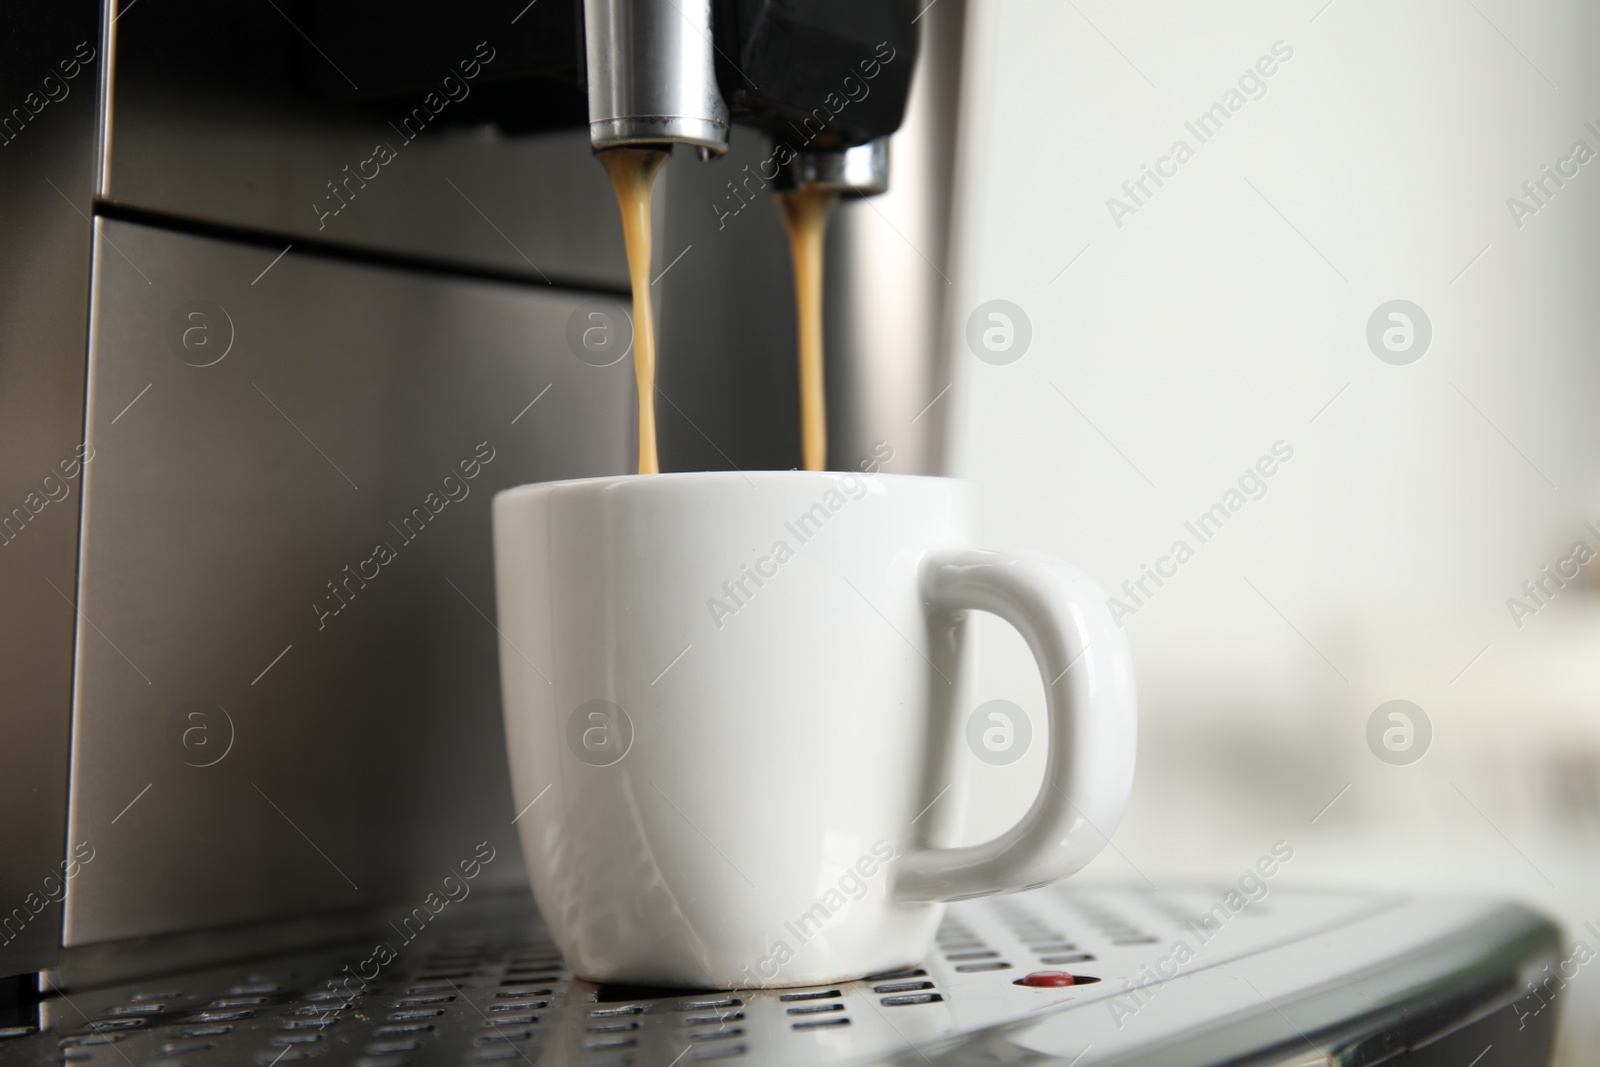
(805, 216)
(633, 175)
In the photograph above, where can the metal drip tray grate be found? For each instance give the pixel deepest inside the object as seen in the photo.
(489, 987)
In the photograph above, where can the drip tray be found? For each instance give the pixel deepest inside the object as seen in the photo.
(1201, 977)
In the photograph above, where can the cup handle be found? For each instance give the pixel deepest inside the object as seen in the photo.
(1087, 668)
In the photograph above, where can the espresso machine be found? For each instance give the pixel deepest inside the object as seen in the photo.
(288, 291)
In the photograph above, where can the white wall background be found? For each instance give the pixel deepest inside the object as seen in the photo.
(1230, 313)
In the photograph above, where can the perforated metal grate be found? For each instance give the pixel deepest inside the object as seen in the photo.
(487, 987)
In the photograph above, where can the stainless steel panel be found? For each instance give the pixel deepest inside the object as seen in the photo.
(247, 149)
(248, 742)
(728, 385)
(48, 138)
(889, 272)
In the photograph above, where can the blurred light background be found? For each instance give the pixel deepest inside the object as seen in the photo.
(1229, 312)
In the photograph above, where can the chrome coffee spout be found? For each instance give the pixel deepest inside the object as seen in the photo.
(862, 170)
(652, 78)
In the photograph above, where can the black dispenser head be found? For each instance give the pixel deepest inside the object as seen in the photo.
(819, 75)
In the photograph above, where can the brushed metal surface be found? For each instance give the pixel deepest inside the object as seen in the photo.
(863, 170)
(728, 392)
(209, 126)
(346, 756)
(888, 276)
(48, 139)
(652, 78)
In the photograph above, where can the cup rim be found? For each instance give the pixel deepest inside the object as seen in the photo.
(534, 488)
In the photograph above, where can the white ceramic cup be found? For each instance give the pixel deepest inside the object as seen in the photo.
(729, 696)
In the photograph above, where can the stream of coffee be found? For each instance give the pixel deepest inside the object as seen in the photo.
(805, 216)
(633, 174)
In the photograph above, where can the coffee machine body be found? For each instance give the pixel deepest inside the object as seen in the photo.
(290, 292)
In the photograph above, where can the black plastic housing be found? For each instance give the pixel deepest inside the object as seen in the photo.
(398, 49)
(817, 74)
